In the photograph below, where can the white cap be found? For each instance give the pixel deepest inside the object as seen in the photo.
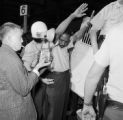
(38, 29)
(50, 34)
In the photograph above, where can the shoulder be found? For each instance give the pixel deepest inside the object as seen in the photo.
(109, 6)
(30, 47)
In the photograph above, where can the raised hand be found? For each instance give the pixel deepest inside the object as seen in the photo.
(79, 12)
(47, 81)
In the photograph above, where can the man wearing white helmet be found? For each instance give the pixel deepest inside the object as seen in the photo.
(38, 32)
(57, 91)
(31, 56)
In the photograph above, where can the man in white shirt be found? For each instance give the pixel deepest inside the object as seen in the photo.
(57, 92)
(105, 19)
(110, 54)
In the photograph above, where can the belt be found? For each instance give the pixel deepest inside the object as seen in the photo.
(115, 104)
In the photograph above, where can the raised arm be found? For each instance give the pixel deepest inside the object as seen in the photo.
(79, 34)
(93, 38)
(79, 12)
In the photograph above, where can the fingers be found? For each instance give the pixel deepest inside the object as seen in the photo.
(79, 12)
(43, 63)
(83, 6)
(83, 10)
(88, 116)
(88, 113)
(48, 81)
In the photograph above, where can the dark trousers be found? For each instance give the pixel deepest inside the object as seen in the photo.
(56, 97)
(38, 94)
(112, 113)
(114, 110)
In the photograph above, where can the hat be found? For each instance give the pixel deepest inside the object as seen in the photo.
(50, 34)
(38, 29)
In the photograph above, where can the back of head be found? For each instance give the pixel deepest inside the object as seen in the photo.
(38, 29)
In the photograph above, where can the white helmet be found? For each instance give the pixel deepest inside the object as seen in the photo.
(51, 34)
(38, 29)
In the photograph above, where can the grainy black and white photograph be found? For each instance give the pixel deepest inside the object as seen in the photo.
(61, 60)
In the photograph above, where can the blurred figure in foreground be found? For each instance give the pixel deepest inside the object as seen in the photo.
(110, 54)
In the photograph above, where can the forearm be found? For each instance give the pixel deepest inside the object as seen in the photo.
(63, 25)
(93, 38)
(91, 82)
(81, 32)
(90, 88)
(30, 79)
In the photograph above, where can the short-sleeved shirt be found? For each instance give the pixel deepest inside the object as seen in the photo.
(61, 60)
(109, 16)
(30, 54)
(60, 56)
(110, 53)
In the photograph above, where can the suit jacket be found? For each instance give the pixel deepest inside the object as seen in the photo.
(15, 85)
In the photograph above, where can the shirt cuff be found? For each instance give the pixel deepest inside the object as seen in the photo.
(36, 72)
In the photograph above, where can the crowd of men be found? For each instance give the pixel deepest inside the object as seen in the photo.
(56, 62)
